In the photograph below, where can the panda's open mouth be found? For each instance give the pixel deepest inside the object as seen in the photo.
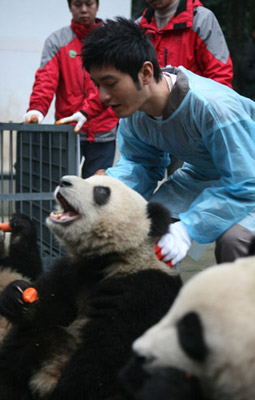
(68, 214)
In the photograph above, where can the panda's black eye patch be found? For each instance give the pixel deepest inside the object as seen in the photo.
(191, 336)
(101, 195)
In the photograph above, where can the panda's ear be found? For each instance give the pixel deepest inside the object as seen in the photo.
(191, 336)
(160, 219)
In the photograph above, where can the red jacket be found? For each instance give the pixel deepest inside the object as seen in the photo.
(192, 38)
(61, 73)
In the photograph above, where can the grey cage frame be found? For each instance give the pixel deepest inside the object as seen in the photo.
(33, 158)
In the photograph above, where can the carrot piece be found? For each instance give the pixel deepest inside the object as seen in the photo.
(5, 227)
(30, 295)
(33, 119)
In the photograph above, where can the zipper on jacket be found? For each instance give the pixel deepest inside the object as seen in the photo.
(166, 57)
(83, 84)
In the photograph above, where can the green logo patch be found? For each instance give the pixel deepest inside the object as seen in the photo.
(72, 53)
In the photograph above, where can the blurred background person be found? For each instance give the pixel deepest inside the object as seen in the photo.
(186, 33)
(77, 100)
(247, 67)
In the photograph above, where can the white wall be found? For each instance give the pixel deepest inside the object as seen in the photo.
(24, 25)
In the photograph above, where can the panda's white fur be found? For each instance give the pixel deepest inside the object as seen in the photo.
(223, 297)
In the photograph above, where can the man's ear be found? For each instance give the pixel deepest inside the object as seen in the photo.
(147, 72)
(160, 219)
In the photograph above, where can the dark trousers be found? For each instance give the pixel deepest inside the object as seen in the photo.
(234, 243)
(97, 156)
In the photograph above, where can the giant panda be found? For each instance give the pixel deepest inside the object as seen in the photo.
(106, 291)
(205, 345)
(19, 256)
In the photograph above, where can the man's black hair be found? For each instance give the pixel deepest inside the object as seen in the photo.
(122, 44)
(69, 2)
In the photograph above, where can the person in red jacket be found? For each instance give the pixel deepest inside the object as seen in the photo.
(186, 33)
(77, 100)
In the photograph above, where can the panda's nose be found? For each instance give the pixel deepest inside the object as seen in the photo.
(65, 181)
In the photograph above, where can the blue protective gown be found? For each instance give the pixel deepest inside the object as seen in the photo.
(212, 129)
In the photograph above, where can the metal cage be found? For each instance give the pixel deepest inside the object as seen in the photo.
(33, 158)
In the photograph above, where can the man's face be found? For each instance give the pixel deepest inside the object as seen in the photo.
(160, 4)
(118, 90)
(84, 12)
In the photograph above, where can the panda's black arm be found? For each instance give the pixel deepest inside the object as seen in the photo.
(57, 289)
(121, 311)
(24, 255)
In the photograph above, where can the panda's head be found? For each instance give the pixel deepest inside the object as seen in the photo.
(100, 215)
(209, 332)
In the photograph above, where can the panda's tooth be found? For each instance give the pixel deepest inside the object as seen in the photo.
(56, 216)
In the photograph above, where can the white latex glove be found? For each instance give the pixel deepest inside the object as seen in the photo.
(33, 117)
(78, 116)
(175, 244)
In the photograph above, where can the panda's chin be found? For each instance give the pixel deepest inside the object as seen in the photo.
(64, 218)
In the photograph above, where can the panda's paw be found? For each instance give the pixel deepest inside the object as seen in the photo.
(13, 304)
(22, 227)
(172, 384)
(23, 250)
(165, 383)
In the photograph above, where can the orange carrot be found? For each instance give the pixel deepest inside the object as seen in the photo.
(30, 295)
(5, 227)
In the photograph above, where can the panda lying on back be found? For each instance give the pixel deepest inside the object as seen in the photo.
(204, 348)
(71, 343)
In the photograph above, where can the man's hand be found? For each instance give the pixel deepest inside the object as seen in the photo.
(33, 117)
(78, 116)
(100, 172)
(173, 246)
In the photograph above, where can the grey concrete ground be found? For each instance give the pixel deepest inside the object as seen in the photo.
(189, 267)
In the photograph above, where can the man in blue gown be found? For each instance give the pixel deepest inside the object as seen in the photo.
(174, 111)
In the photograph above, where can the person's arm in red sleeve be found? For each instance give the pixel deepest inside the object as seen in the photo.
(46, 79)
(92, 105)
(211, 47)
